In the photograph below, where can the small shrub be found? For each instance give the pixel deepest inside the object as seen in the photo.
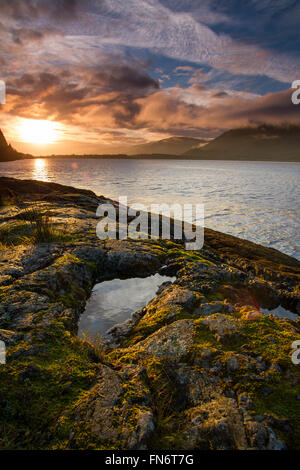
(96, 343)
(13, 233)
(31, 226)
(43, 229)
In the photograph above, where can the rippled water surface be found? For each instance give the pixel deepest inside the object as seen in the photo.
(258, 201)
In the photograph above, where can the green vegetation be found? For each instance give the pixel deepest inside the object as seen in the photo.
(8, 198)
(42, 385)
(32, 226)
(43, 230)
(165, 391)
(96, 344)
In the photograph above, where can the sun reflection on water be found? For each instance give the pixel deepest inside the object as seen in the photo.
(40, 169)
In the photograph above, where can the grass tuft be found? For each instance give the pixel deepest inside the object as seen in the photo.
(8, 198)
(96, 344)
(32, 226)
(43, 229)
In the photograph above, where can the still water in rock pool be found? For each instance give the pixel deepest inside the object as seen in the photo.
(113, 302)
(280, 312)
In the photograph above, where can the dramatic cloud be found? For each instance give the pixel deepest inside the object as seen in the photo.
(108, 92)
(124, 78)
(128, 71)
(29, 10)
(167, 111)
(180, 33)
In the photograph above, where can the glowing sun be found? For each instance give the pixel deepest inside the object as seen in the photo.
(38, 132)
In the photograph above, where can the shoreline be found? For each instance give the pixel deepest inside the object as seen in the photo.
(199, 367)
(150, 157)
(261, 219)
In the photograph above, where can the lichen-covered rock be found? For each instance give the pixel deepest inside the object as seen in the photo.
(221, 325)
(113, 412)
(144, 428)
(9, 337)
(216, 424)
(199, 367)
(232, 363)
(96, 411)
(248, 312)
(212, 307)
(171, 342)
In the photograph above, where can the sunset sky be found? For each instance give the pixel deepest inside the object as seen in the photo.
(109, 74)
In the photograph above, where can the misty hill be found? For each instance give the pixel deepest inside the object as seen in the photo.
(7, 152)
(170, 146)
(270, 143)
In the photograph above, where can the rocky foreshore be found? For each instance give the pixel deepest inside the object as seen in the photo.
(199, 367)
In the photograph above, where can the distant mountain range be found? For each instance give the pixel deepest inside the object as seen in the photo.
(170, 146)
(269, 143)
(264, 143)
